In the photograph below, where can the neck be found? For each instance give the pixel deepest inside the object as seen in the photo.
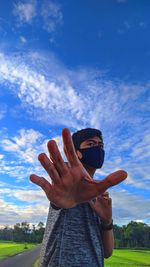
(90, 170)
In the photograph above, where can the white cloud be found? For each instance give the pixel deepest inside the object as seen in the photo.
(52, 15)
(3, 110)
(24, 148)
(77, 98)
(29, 201)
(14, 170)
(25, 11)
(128, 206)
(138, 172)
(142, 149)
(25, 195)
(11, 213)
(55, 96)
(47, 12)
(23, 40)
(131, 25)
(23, 145)
(128, 25)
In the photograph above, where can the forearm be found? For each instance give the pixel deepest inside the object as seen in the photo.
(108, 242)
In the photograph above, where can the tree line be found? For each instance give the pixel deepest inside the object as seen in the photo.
(132, 235)
(23, 232)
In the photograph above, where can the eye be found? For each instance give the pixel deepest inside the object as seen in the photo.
(91, 144)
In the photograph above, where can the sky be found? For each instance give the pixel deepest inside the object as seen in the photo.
(75, 64)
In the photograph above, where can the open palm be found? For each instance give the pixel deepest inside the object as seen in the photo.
(71, 183)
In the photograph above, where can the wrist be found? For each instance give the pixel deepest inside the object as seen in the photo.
(106, 221)
(107, 226)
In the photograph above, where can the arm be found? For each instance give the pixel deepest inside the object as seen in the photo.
(103, 208)
(108, 242)
(71, 184)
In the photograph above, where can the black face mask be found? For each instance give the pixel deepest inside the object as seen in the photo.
(92, 156)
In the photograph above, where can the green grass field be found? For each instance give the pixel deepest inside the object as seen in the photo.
(10, 248)
(129, 258)
(120, 258)
(125, 258)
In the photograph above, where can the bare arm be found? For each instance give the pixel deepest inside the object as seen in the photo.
(71, 184)
(103, 208)
(108, 242)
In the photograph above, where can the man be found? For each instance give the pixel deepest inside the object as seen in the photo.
(78, 231)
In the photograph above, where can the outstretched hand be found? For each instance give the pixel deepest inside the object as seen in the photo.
(71, 183)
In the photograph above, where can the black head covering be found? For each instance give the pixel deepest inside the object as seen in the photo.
(84, 134)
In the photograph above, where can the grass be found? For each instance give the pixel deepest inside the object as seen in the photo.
(125, 258)
(8, 249)
(129, 258)
(36, 263)
(120, 258)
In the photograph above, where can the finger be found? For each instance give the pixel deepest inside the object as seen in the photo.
(110, 202)
(69, 148)
(105, 194)
(112, 180)
(67, 164)
(102, 199)
(43, 183)
(97, 188)
(57, 158)
(49, 167)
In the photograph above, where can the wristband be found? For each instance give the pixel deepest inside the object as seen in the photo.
(54, 206)
(107, 227)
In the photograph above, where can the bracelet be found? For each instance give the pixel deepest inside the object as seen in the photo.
(54, 206)
(107, 227)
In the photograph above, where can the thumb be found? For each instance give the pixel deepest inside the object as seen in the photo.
(112, 179)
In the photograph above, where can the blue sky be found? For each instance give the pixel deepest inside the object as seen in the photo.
(74, 64)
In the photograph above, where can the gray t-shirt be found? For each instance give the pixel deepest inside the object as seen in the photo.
(72, 238)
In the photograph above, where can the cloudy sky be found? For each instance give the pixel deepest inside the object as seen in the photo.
(74, 64)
